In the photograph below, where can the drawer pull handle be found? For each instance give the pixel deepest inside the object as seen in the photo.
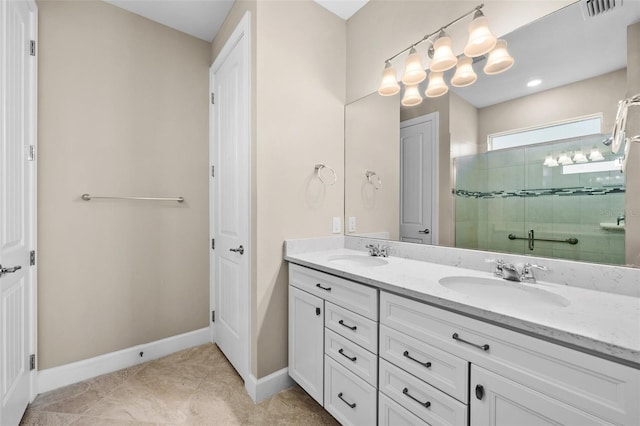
(318, 312)
(341, 352)
(424, 364)
(479, 391)
(484, 347)
(424, 404)
(350, 327)
(352, 405)
(323, 288)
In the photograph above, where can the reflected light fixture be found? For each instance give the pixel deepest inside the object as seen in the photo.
(389, 85)
(549, 161)
(443, 57)
(411, 96)
(437, 86)
(595, 155)
(564, 159)
(499, 59)
(413, 71)
(464, 75)
(481, 40)
(579, 157)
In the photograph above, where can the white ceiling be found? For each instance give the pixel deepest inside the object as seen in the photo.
(203, 18)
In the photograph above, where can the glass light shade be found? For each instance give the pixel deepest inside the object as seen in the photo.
(443, 57)
(579, 157)
(413, 71)
(411, 96)
(499, 59)
(596, 155)
(389, 86)
(549, 161)
(464, 75)
(481, 40)
(564, 159)
(437, 86)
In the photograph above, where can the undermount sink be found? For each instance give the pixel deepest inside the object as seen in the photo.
(357, 260)
(503, 292)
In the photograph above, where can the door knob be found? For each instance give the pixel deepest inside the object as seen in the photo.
(426, 231)
(238, 250)
(9, 270)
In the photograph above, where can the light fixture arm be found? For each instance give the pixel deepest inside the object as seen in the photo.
(475, 10)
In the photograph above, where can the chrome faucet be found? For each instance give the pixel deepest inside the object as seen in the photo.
(377, 250)
(510, 272)
(620, 219)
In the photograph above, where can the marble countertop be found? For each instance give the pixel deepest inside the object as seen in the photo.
(604, 324)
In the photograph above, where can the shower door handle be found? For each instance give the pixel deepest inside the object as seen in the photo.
(425, 231)
(238, 250)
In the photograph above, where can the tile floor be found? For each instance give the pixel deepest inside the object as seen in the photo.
(196, 386)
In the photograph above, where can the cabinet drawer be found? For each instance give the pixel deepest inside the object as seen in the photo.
(390, 413)
(440, 369)
(348, 398)
(597, 386)
(351, 356)
(353, 296)
(354, 327)
(414, 394)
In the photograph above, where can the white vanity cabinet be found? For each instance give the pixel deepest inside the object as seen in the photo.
(333, 343)
(514, 378)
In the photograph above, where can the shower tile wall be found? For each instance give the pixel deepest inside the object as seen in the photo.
(484, 221)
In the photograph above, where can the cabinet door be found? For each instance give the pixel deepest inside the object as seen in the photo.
(306, 342)
(498, 401)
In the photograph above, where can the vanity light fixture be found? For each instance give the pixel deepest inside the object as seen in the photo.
(464, 75)
(389, 85)
(481, 41)
(411, 96)
(579, 157)
(549, 161)
(564, 159)
(595, 155)
(413, 71)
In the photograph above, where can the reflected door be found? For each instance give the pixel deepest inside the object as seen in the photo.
(418, 179)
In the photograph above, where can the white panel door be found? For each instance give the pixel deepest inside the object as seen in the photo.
(418, 179)
(17, 23)
(230, 204)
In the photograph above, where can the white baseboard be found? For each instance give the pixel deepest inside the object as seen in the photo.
(57, 377)
(261, 389)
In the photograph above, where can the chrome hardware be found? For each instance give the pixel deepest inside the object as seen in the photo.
(510, 273)
(530, 239)
(377, 250)
(499, 265)
(323, 288)
(237, 250)
(352, 405)
(484, 347)
(88, 197)
(620, 219)
(479, 391)
(527, 272)
(427, 404)
(4, 271)
(425, 231)
(350, 327)
(325, 180)
(341, 352)
(424, 364)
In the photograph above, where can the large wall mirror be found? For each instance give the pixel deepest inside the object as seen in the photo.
(481, 167)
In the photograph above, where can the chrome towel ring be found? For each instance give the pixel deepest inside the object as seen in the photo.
(324, 178)
(374, 179)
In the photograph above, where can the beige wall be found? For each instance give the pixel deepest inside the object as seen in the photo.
(298, 99)
(382, 28)
(121, 112)
(463, 124)
(592, 96)
(632, 178)
(371, 127)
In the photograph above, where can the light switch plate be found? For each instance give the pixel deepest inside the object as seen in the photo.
(336, 225)
(352, 224)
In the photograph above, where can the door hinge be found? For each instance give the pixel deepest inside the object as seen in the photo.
(213, 98)
(32, 257)
(213, 171)
(32, 362)
(32, 152)
(32, 48)
(213, 316)
(213, 244)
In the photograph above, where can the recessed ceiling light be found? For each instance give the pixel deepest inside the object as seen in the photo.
(534, 83)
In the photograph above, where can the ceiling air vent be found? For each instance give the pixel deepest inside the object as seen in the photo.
(598, 7)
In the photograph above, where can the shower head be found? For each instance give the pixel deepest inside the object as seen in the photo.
(608, 141)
